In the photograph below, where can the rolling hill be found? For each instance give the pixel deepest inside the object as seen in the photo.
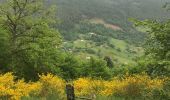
(101, 28)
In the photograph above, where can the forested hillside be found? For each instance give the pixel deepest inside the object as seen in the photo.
(102, 27)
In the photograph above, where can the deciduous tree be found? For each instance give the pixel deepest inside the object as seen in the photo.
(32, 42)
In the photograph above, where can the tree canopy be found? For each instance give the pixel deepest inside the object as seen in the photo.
(157, 47)
(28, 38)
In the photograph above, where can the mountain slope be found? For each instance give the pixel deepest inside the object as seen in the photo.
(101, 28)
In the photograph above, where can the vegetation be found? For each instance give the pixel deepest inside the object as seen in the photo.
(156, 58)
(108, 19)
(94, 48)
(51, 87)
(28, 42)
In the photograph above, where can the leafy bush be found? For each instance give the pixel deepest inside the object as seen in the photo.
(70, 67)
(161, 94)
(96, 68)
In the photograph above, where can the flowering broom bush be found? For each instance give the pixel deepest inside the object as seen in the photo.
(52, 86)
(48, 86)
(14, 90)
(128, 87)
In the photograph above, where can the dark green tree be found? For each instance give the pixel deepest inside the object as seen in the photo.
(70, 67)
(96, 68)
(29, 40)
(4, 52)
(109, 61)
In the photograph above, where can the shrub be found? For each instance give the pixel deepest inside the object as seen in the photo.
(14, 90)
(96, 68)
(52, 86)
(129, 87)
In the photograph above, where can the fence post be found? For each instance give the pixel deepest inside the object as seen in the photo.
(70, 92)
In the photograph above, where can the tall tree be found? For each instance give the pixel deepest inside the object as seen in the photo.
(157, 47)
(32, 40)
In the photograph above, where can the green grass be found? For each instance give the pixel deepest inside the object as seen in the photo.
(119, 43)
(55, 98)
(119, 52)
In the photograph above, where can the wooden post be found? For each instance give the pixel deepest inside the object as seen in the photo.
(70, 92)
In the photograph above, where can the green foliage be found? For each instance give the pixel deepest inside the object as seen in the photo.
(160, 94)
(4, 45)
(73, 12)
(70, 67)
(96, 68)
(166, 91)
(90, 51)
(109, 61)
(157, 47)
(32, 41)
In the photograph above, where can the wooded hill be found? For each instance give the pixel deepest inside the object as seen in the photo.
(102, 27)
